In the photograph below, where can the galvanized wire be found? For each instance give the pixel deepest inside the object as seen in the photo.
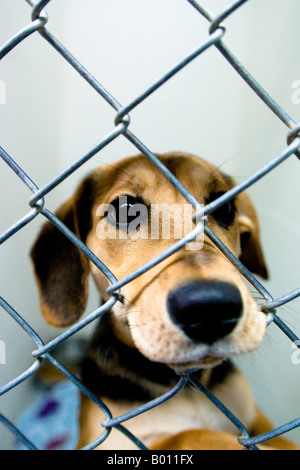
(215, 39)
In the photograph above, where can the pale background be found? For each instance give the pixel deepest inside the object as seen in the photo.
(51, 117)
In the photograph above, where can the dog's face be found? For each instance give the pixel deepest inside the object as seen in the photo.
(191, 310)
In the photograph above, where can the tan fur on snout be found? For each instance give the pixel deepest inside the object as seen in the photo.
(133, 355)
(161, 340)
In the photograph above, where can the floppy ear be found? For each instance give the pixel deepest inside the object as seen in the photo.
(251, 253)
(61, 269)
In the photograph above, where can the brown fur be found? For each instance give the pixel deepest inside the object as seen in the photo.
(142, 323)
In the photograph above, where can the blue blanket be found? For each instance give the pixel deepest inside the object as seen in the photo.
(52, 421)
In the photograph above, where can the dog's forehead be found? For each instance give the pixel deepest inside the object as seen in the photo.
(200, 177)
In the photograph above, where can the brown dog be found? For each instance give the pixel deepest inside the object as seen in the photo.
(192, 310)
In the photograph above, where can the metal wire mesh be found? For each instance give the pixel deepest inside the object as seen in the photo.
(37, 208)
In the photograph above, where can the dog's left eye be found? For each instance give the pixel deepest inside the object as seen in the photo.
(124, 210)
(225, 214)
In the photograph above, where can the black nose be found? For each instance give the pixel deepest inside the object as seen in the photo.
(206, 311)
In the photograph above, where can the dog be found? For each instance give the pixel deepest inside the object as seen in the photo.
(193, 310)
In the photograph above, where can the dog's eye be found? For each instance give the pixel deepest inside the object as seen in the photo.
(124, 210)
(225, 214)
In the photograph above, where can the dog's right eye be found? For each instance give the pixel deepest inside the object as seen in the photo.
(124, 210)
(224, 215)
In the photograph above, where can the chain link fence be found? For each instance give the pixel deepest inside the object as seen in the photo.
(216, 37)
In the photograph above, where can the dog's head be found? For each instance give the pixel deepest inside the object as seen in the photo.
(191, 310)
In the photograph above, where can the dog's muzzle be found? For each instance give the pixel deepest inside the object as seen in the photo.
(205, 311)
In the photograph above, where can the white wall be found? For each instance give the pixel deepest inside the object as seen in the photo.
(52, 116)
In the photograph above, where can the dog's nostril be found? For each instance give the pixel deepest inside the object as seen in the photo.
(206, 311)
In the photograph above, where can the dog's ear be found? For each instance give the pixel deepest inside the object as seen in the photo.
(251, 252)
(61, 269)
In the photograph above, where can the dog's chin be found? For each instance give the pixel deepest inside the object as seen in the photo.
(205, 363)
(183, 362)
(184, 355)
